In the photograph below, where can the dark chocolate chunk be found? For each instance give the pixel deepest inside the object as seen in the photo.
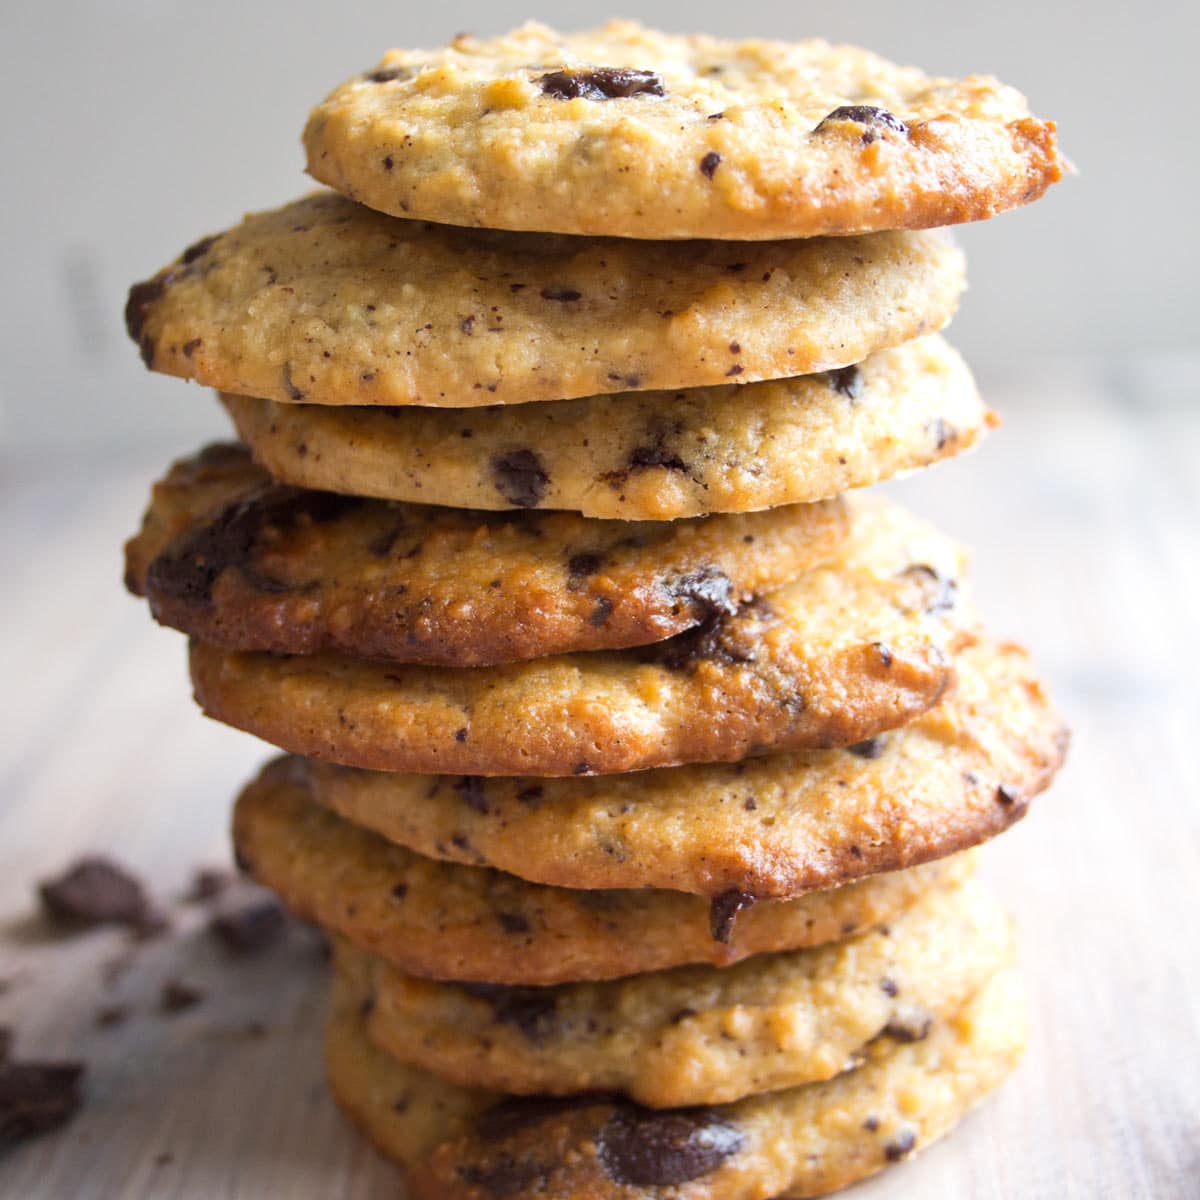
(460, 735)
(1006, 795)
(909, 1027)
(531, 795)
(656, 456)
(580, 566)
(890, 987)
(602, 611)
(520, 478)
(648, 1148)
(723, 912)
(177, 996)
(529, 1009)
(871, 748)
(505, 1176)
(390, 74)
(471, 788)
(251, 928)
(199, 248)
(96, 891)
(35, 1097)
(941, 593)
(864, 114)
(901, 1145)
(885, 653)
(512, 922)
(847, 381)
(602, 83)
(190, 347)
(709, 164)
(871, 1124)
(289, 386)
(520, 1112)
(563, 294)
(708, 589)
(721, 638)
(142, 297)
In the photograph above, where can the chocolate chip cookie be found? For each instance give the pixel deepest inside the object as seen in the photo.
(639, 456)
(846, 651)
(228, 556)
(624, 130)
(696, 1035)
(447, 921)
(326, 302)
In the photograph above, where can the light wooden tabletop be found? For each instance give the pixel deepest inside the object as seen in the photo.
(1083, 513)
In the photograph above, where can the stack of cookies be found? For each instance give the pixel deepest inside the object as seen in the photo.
(632, 766)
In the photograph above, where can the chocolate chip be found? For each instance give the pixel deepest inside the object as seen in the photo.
(563, 294)
(682, 1015)
(648, 1148)
(529, 1009)
(389, 74)
(723, 911)
(890, 987)
(656, 456)
(1006, 795)
(251, 928)
(736, 369)
(199, 248)
(709, 164)
(847, 381)
(142, 297)
(871, 748)
(472, 790)
(602, 83)
(467, 324)
(864, 114)
(580, 566)
(520, 478)
(582, 768)
(707, 589)
(530, 795)
(388, 162)
(400, 891)
(511, 1116)
(941, 593)
(912, 1027)
(885, 653)
(719, 639)
(460, 735)
(871, 1124)
(901, 1145)
(601, 612)
(503, 1177)
(942, 433)
(177, 996)
(294, 393)
(512, 922)
(96, 891)
(35, 1097)
(190, 347)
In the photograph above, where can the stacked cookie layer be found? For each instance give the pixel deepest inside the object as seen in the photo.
(633, 766)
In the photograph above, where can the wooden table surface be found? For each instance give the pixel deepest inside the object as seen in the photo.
(1083, 515)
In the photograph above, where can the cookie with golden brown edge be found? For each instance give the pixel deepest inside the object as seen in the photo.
(446, 921)
(626, 131)
(464, 1144)
(697, 1035)
(326, 302)
(772, 826)
(640, 456)
(253, 565)
(847, 650)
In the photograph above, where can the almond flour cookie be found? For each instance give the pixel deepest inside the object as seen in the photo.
(696, 1035)
(846, 651)
(624, 130)
(446, 921)
(227, 556)
(325, 302)
(462, 1144)
(641, 456)
(773, 826)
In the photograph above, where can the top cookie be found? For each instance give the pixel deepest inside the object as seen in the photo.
(326, 302)
(629, 132)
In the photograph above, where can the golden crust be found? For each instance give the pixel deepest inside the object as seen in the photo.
(728, 139)
(773, 826)
(641, 456)
(849, 649)
(325, 302)
(446, 921)
(228, 558)
(697, 1035)
(461, 1144)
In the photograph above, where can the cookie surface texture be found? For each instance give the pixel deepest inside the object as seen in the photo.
(846, 651)
(228, 556)
(639, 456)
(325, 302)
(626, 131)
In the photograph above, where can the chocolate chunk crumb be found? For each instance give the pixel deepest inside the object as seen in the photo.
(847, 382)
(871, 748)
(177, 996)
(520, 478)
(723, 912)
(864, 114)
(602, 611)
(563, 294)
(580, 566)
(602, 83)
(35, 1097)
(198, 249)
(736, 369)
(890, 987)
(460, 735)
(529, 1009)
(251, 928)
(389, 75)
(901, 1145)
(472, 790)
(513, 922)
(647, 1148)
(96, 891)
(914, 1027)
(941, 593)
(709, 164)
(400, 891)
